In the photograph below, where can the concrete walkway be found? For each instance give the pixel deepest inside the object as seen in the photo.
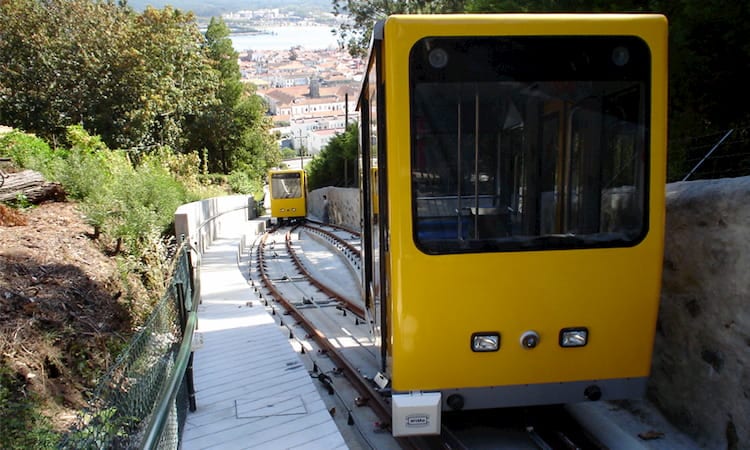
(252, 389)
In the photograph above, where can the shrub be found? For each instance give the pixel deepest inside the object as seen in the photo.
(243, 183)
(89, 165)
(21, 424)
(288, 153)
(135, 204)
(31, 152)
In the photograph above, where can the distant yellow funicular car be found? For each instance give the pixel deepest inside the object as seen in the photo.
(288, 191)
(513, 235)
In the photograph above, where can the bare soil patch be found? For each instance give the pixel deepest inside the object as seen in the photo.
(64, 308)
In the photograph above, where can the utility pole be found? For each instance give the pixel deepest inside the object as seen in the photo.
(346, 125)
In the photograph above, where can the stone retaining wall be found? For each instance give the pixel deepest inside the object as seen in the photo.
(701, 365)
(343, 206)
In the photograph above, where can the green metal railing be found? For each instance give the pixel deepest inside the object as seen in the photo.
(142, 401)
(164, 428)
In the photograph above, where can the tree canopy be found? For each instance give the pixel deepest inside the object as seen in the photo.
(235, 132)
(355, 34)
(336, 164)
(709, 55)
(97, 64)
(141, 81)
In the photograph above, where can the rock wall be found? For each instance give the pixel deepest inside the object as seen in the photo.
(701, 365)
(343, 204)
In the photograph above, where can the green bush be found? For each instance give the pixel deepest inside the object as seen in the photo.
(21, 425)
(89, 165)
(288, 153)
(327, 167)
(136, 202)
(84, 173)
(212, 178)
(128, 203)
(243, 183)
(31, 152)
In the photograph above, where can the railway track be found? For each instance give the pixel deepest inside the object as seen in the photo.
(323, 324)
(319, 304)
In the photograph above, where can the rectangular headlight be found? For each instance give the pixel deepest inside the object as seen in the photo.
(485, 342)
(574, 337)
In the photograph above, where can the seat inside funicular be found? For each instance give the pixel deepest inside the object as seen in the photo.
(443, 228)
(451, 218)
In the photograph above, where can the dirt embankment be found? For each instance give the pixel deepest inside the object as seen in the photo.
(63, 307)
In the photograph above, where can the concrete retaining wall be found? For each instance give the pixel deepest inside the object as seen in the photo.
(701, 365)
(198, 222)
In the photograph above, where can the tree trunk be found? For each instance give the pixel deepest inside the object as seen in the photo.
(31, 185)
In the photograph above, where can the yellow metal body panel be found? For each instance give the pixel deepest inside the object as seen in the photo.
(288, 202)
(437, 302)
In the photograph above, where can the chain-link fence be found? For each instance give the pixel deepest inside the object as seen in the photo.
(127, 401)
(720, 155)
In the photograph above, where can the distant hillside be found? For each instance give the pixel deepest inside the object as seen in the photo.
(203, 8)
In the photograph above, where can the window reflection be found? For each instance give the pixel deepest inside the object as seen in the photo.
(515, 164)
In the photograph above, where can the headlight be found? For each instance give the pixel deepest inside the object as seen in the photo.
(485, 342)
(530, 339)
(574, 337)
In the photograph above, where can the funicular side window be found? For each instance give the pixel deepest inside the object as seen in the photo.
(529, 143)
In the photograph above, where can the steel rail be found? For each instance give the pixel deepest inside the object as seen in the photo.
(349, 250)
(333, 225)
(539, 431)
(371, 397)
(375, 400)
(351, 306)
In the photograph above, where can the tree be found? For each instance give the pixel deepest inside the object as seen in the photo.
(355, 35)
(336, 164)
(175, 80)
(234, 132)
(709, 63)
(500, 6)
(258, 150)
(709, 54)
(215, 128)
(97, 64)
(58, 62)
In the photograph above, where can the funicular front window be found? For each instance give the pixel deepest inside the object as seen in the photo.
(529, 143)
(286, 185)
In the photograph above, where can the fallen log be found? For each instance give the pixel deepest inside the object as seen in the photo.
(31, 185)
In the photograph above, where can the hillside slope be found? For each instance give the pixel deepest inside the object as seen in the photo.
(63, 308)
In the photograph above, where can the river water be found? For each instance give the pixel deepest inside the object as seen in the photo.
(282, 38)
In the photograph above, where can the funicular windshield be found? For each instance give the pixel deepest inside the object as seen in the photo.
(286, 185)
(529, 143)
